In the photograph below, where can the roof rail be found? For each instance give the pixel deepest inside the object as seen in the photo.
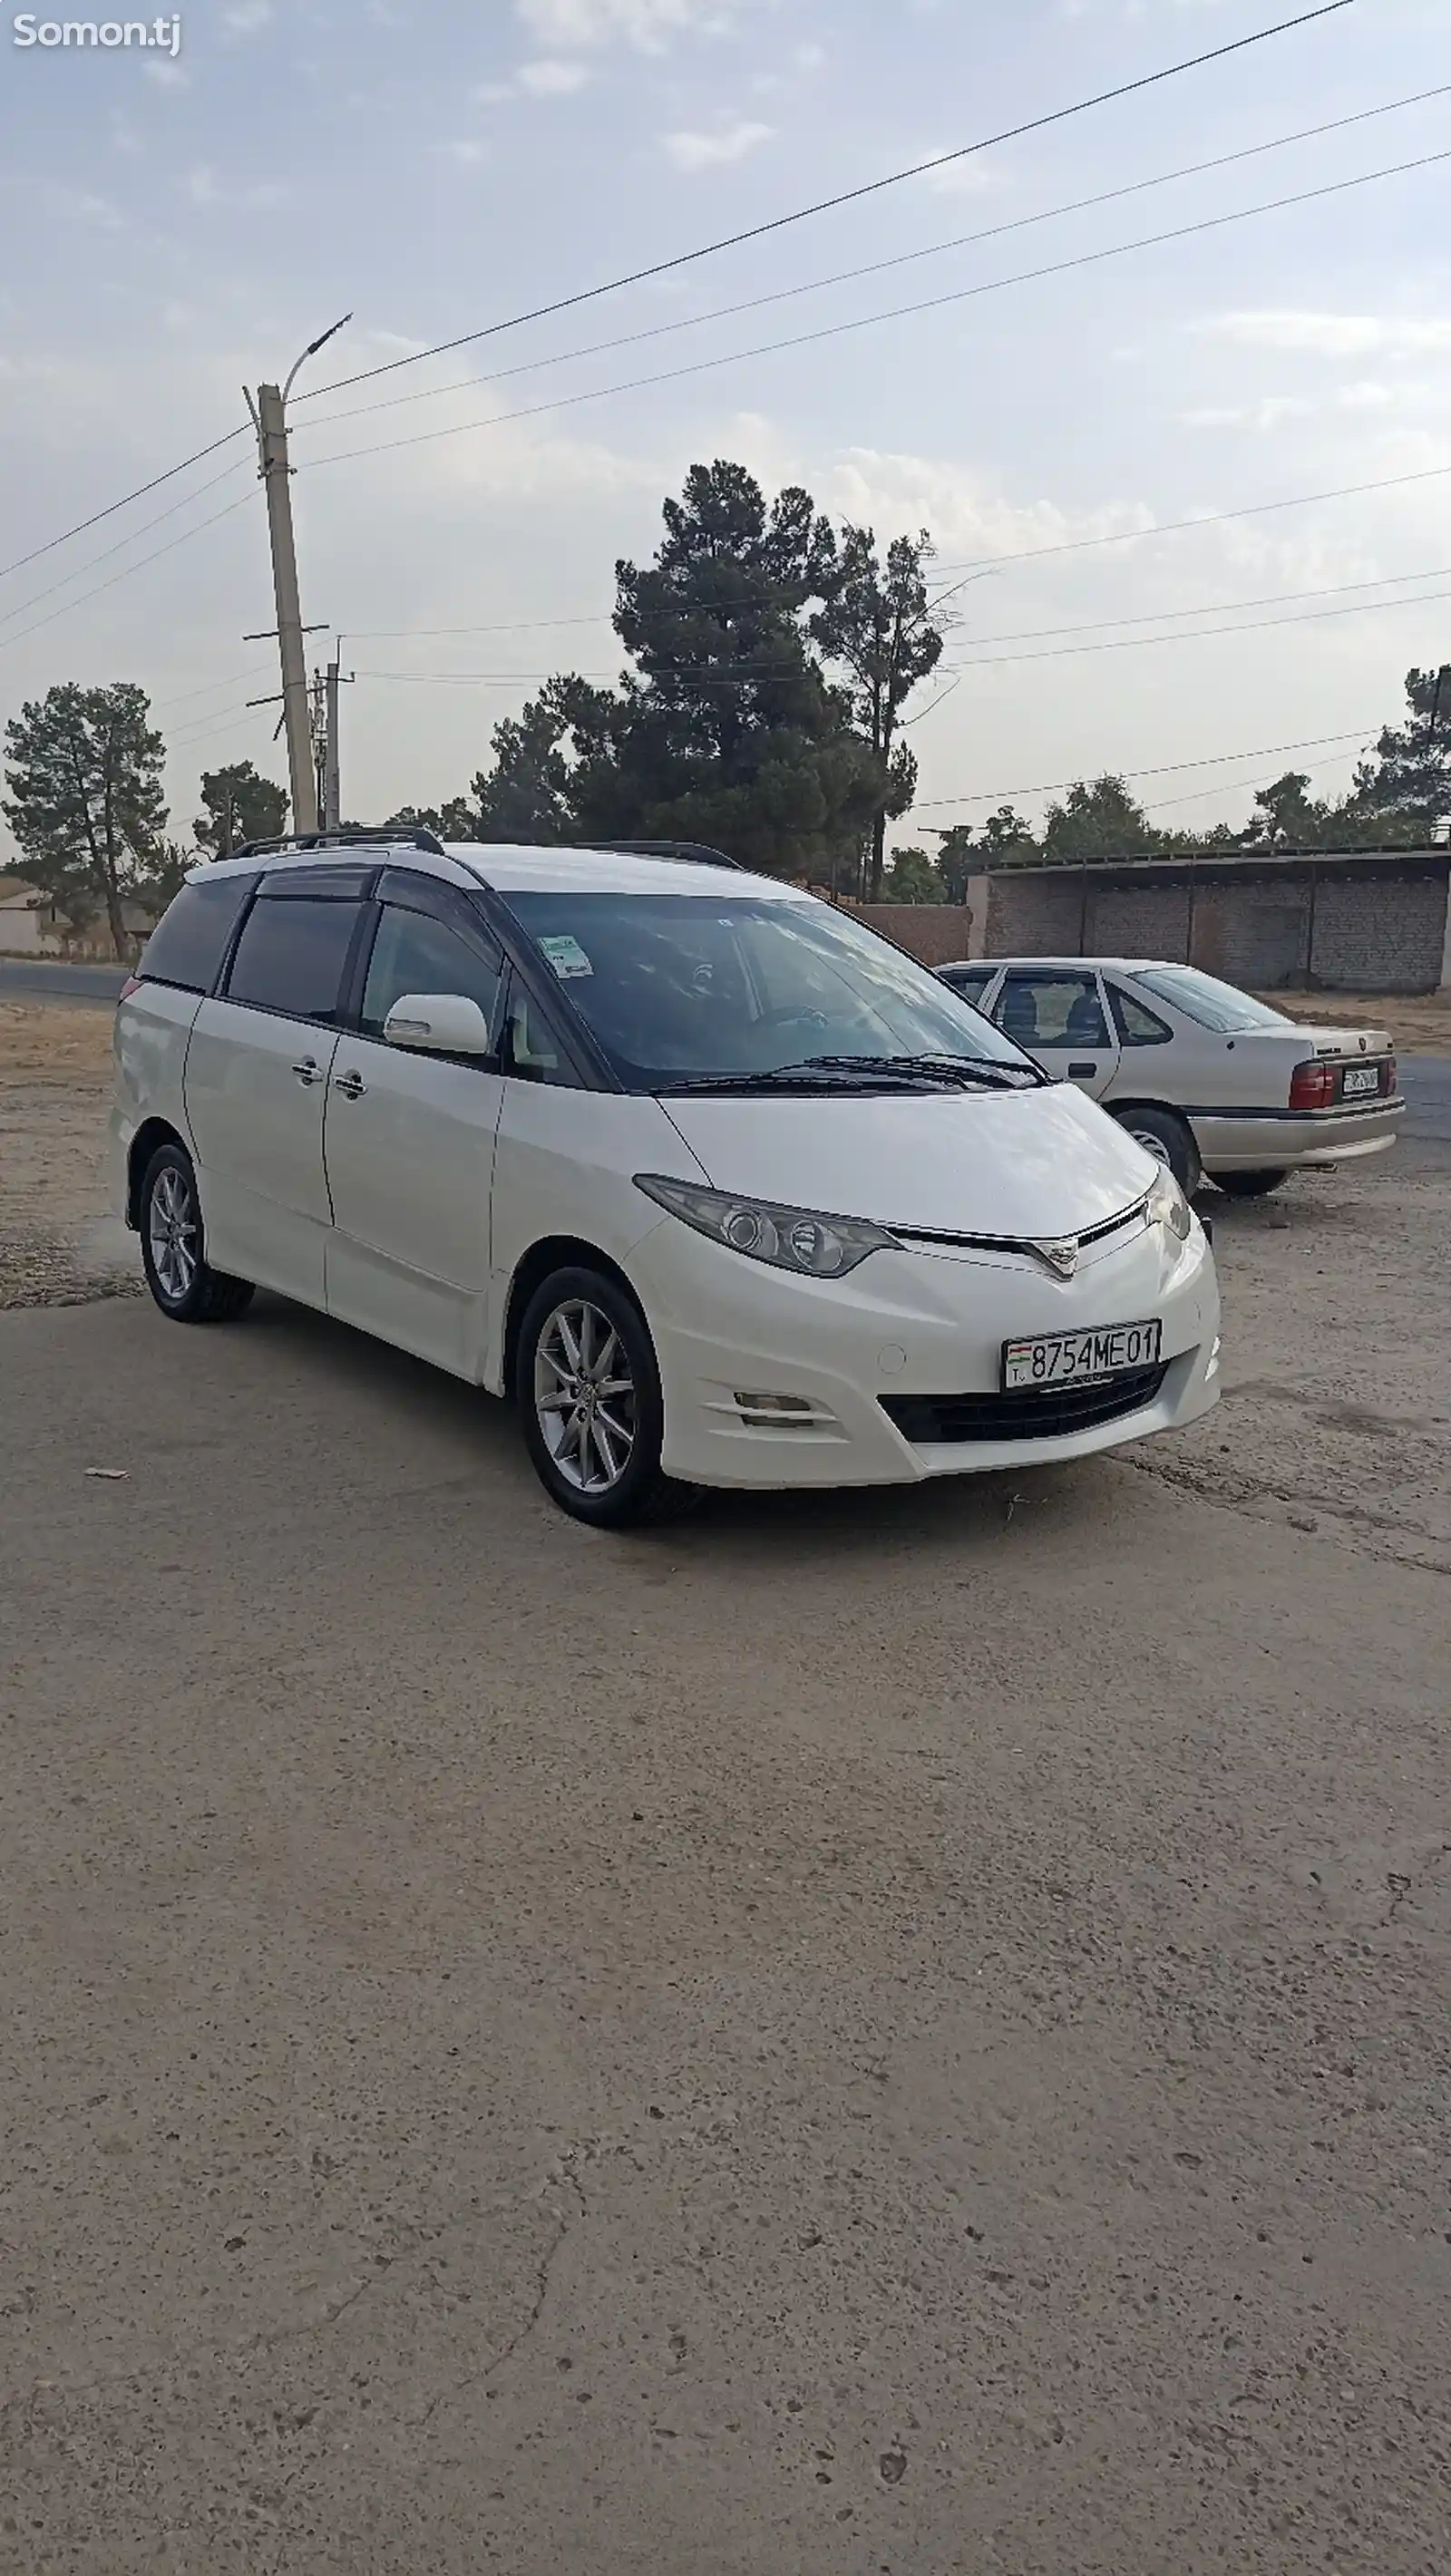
(347, 836)
(698, 853)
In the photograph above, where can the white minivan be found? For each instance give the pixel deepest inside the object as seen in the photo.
(720, 1186)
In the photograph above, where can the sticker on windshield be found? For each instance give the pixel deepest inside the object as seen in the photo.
(566, 956)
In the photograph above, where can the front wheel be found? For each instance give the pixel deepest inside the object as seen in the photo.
(1169, 1140)
(589, 1396)
(1248, 1185)
(173, 1246)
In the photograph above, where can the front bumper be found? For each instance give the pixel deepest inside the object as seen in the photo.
(919, 1323)
(1281, 1140)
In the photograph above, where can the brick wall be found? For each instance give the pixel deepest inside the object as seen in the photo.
(1365, 943)
(934, 932)
(1372, 927)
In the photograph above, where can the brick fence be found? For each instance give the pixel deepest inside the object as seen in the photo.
(1352, 921)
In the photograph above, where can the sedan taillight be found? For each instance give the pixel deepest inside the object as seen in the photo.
(1313, 1085)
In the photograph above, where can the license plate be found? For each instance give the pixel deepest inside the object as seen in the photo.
(1067, 1359)
(1358, 1079)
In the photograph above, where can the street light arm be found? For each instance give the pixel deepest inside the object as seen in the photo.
(312, 349)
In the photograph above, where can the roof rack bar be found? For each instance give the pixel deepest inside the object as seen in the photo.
(698, 854)
(347, 836)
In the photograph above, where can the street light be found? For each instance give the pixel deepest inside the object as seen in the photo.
(269, 416)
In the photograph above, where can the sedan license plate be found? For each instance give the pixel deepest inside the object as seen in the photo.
(1068, 1359)
(1358, 1079)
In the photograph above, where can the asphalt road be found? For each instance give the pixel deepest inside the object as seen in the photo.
(1426, 1080)
(893, 2033)
(47, 979)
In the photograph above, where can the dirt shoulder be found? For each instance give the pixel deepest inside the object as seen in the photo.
(60, 1243)
(1419, 1023)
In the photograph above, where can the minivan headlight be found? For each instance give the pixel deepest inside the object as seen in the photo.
(789, 1238)
(1169, 1207)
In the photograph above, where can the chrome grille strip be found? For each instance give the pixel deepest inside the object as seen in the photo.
(929, 1236)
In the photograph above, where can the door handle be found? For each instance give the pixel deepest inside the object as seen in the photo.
(1082, 1072)
(351, 1085)
(308, 1071)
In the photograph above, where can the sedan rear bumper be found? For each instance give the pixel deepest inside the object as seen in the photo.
(1248, 1140)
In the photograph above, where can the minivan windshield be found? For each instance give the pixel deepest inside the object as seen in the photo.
(689, 989)
(1203, 998)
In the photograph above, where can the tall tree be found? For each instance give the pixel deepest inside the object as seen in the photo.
(85, 801)
(1287, 817)
(1410, 775)
(546, 759)
(240, 805)
(727, 730)
(913, 877)
(876, 625)
(1101, 821)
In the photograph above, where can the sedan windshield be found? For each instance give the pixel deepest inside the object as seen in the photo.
(1203, 998)
(687, 988)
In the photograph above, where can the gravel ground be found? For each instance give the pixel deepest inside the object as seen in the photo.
(879, 2035)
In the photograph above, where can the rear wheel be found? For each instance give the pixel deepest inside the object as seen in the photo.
(173, 1246)
(1169, 1140)
(1248, 1185)
(589, 1396)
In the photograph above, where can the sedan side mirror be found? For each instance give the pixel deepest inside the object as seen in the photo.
(440, 1023)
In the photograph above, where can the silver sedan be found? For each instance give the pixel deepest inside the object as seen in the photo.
(1209, 1079)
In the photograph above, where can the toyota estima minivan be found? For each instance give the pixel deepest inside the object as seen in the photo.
(720, 1186)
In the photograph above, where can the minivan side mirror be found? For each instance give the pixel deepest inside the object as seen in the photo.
(441, 1023)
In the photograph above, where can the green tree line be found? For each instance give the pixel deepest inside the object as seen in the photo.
(774, 666)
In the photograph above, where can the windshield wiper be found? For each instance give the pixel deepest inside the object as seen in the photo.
(938, 1068)
(821, 1074)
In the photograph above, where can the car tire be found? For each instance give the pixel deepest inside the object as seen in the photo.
(1169, 1140)
(588, 1390)
(1248, 1185)
(173, 1246)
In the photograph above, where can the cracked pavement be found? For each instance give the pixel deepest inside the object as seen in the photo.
(893, 2032)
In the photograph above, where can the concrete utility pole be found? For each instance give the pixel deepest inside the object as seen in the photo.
(332, 793)
(269, 414)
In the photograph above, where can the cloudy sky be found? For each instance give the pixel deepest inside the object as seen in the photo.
(175, 227)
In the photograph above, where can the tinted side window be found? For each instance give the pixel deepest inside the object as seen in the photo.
(291, 956)
(415, 954)
(1051, 1010)
(190, 940)
(1137, 1024)
(970, 981)
(532, 1050)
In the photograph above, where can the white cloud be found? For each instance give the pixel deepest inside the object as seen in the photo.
(552, 77)
(1329, 335)
(468, 152)
(809, 58)
(968, 177)
(246, 18)
(561, 26)
(204, 189)
(1267, 414)
(711, 151)
(167, 75)
(491, 93)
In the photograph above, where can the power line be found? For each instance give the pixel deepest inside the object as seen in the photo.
(891, 313)
(1225, 607)
(1207, 519)
(1196, 795)
(107, 552)
(1197, 634)
(1165, 769)
(846, 197)
(125, 573)
(112, 507)
(873, 268)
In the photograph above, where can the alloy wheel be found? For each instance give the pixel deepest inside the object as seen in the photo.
(1154, 1145)
(172, 1232)
(584, 1397)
